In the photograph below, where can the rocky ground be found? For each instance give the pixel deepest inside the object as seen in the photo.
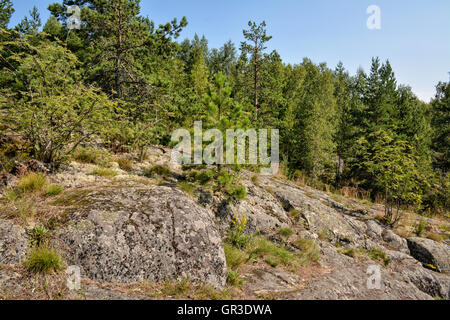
(147, 238)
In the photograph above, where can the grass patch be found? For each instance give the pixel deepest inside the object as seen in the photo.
(24, 210)
(159, 170)
(125, 163)
(32, 183)
(285, 232)
(263, 248)
(184, 289)
(53, 190)
(104, 172)
(444, 227)
(309, 251)
(187, 187)
(12, 195)
(351, 252)
(43, 260)
(92, 156)
(234, 256)
(436, 237)
(255, 180)
(378, 255)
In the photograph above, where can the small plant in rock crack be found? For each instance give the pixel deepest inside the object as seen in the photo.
(38, 236)
(234, 279)
(237, 236)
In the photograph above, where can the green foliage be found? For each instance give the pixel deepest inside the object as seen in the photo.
(310, 252)
(273, 254)
(30, 25)
(234, 256)
(159, 170)
(377, 255)
(50, 108)
(286, 232)
(236, 235)
(123, 83)
(420, 228)
(187, 187)
(43, 260)
(392, 164)
(234, 279)
(6, 11)
(38, 236)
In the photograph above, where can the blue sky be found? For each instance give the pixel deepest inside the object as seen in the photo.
(414, 35)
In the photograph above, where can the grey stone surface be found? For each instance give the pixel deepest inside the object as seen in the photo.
(154, 234)
(430, 252)
(13, 243)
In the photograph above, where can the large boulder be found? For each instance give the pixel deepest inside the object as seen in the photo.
(133, 234)
(13, 243)
(430, 252)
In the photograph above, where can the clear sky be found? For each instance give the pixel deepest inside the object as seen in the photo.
(414, 34)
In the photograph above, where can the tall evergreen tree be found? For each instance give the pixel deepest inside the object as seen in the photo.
(30, 25)
(6, 11)
(257, 38)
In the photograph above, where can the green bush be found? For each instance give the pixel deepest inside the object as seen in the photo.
(12, 195)
(43, 260)
(204, 177)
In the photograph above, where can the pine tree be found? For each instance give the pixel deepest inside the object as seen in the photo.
(6, 11)
(441, 127)
(30, 25)
(257, 36)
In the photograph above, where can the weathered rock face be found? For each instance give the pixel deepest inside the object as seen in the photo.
(318, 215)
(13, 243)
(395, 241)
(430, 252)
(153, 234)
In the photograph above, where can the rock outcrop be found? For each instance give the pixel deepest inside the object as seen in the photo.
(129, 231)
(430, 252)
(154, 234)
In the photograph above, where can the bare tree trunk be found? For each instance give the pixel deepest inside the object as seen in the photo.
(255, 88)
